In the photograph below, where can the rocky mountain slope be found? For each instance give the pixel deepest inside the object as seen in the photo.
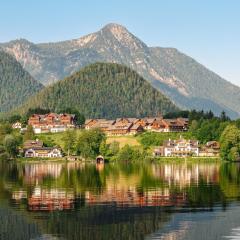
(188, 83)
(103, 90)
(16, 85)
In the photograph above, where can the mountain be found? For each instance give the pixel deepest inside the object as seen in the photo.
(185, 81)
(16, 85)
(103, 90)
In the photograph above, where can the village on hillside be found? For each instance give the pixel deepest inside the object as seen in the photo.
(56, 123)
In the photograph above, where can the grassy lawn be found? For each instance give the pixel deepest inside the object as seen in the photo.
(124, 140)
(149, 139)
(52, 139)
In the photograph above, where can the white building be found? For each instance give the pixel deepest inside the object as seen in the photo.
(178, 148)
(17, 125)
(44, 152)
(50, 128)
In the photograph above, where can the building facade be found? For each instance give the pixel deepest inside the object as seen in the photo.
(178, 148)
(210, 149)
(17, 125)
(51, 122)
(44, 152)
(131, 126)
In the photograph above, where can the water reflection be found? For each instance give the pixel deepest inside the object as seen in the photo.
(54, 186)
(87, 200)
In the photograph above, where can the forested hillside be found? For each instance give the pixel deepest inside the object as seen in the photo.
(103, 90)
(16, 85)
(182, 79)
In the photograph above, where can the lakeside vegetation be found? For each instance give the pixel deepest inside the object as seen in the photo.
(203, 126)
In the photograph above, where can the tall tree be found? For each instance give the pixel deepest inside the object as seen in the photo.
(10, 144)
(89, 143)
(29, 134)
(69, 140)
(230, 143)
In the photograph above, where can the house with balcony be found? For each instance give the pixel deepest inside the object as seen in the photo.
(178, 148)
(51, 122)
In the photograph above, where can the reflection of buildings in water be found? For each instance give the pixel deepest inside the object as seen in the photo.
(157, 197)
(43, 199)
(75, 165)
(50, 199)
(36, 172)
(184, 175)
(18, 195)
(99, 167)
(124, 191)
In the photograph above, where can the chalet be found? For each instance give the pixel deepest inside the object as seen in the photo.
(211, 149)
(122, 126)
(119, 129)
(136, 128)
(150, 122)
(159, 125)
(170, 125)
(184, 122)
(17, 125)
(178, 148)
(89, 123)
(146, 123)
(51, 122)
(43, 152)
(126, 120)
(102, 124)
(158, 152)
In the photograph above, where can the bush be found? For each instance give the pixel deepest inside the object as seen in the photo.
(156, 139)
(230, 143)
(89, 142)
(128, 153)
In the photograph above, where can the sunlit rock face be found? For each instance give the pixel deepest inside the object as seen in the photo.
(189, 84)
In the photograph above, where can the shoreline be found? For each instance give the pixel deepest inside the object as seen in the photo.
(147, 160)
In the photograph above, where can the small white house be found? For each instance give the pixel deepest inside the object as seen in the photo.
(57, 129)
(44, 152)
(17, 125)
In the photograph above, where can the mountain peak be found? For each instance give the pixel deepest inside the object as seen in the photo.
(122, 35)
(21, 41)
(111, 26)
(117, 30)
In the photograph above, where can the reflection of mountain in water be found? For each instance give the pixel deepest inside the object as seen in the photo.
(156, 185)
(116, 201)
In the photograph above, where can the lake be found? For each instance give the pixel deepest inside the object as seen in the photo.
(119, 201)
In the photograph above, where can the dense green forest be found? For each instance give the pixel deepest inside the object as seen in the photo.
(103, 90)
(16, 85)
(184, 80)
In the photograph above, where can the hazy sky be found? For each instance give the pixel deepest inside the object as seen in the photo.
(207, 30)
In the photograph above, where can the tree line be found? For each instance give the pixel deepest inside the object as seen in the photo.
(203, 126)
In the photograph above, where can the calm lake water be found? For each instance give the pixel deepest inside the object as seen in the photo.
(119, 201)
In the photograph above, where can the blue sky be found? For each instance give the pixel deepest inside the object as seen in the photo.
(207, 30)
